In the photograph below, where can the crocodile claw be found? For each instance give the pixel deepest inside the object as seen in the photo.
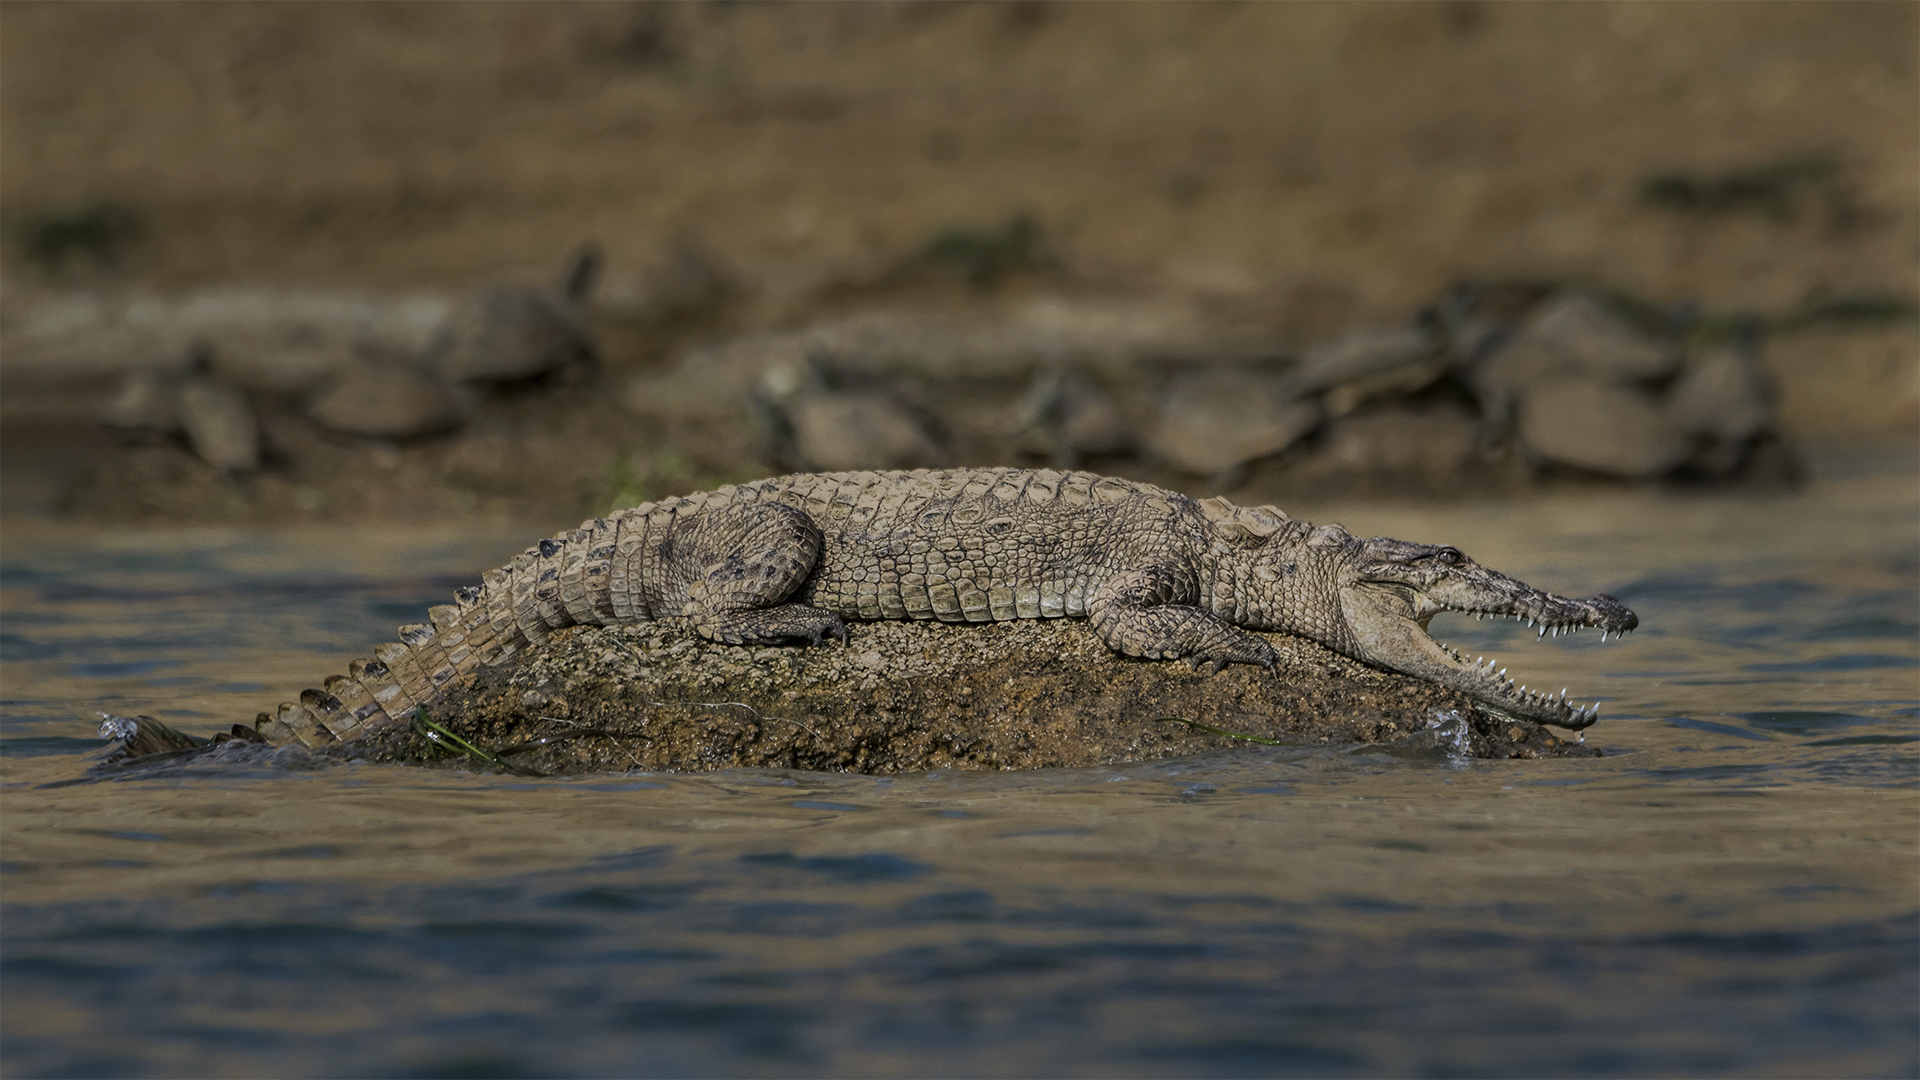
(1222, 661)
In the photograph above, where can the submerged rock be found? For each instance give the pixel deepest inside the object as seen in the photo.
(910, 696)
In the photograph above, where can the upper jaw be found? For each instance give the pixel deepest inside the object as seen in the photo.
(1550, 614)
(1398, 640)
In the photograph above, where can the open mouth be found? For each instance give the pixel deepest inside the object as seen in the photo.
(1484, 679)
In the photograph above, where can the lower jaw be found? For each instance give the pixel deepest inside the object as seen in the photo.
(1570, 719)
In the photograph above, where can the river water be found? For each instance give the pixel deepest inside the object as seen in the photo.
(1733, 889)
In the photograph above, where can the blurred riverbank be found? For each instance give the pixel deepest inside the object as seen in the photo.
(1091, 235)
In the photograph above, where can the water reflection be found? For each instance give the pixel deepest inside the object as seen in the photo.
(1731, 890)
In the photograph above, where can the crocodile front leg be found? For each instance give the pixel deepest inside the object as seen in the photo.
(1139, 613)
(748, 559)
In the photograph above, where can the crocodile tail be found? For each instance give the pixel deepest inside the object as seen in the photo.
(558, 582)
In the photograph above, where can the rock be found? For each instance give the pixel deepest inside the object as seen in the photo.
(1721, 395)
(1722, 404)
(506, 335)
(1432, 444)
(1361, 354)
(1214, 420)
(204, 405)
(835, 431)
(148, 400)
(1571, 337)
(219, 423)
(1065, 416)
(514, 333)
(689, 281)
(1847, 382)
(1110, 338)
(914, 696)
(273, 340)
(386, 401)
(1604, 428)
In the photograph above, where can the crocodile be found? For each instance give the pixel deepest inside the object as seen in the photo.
(793, 559)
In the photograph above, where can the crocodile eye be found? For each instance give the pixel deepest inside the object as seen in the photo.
(1449, 556)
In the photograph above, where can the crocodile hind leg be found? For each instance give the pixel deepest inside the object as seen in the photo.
(750, 559)
(1137, 614)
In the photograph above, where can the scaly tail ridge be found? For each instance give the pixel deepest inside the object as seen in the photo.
(415, 689)
(359, 710)
(567, 580)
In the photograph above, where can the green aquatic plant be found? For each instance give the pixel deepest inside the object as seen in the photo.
(439, 736)
(981, 257)
(1771, 188)
(99, 231)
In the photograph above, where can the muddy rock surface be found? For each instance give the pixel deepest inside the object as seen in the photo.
(906, 697)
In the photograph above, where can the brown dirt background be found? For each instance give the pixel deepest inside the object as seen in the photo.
(1328, 161)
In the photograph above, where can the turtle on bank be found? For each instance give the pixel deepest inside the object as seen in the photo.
(509, 334)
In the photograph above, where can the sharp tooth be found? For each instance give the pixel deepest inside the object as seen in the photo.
(1563, 693)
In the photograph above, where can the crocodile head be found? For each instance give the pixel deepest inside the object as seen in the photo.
(1390, 590)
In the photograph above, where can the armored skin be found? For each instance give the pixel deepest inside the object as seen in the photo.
(794, 558)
